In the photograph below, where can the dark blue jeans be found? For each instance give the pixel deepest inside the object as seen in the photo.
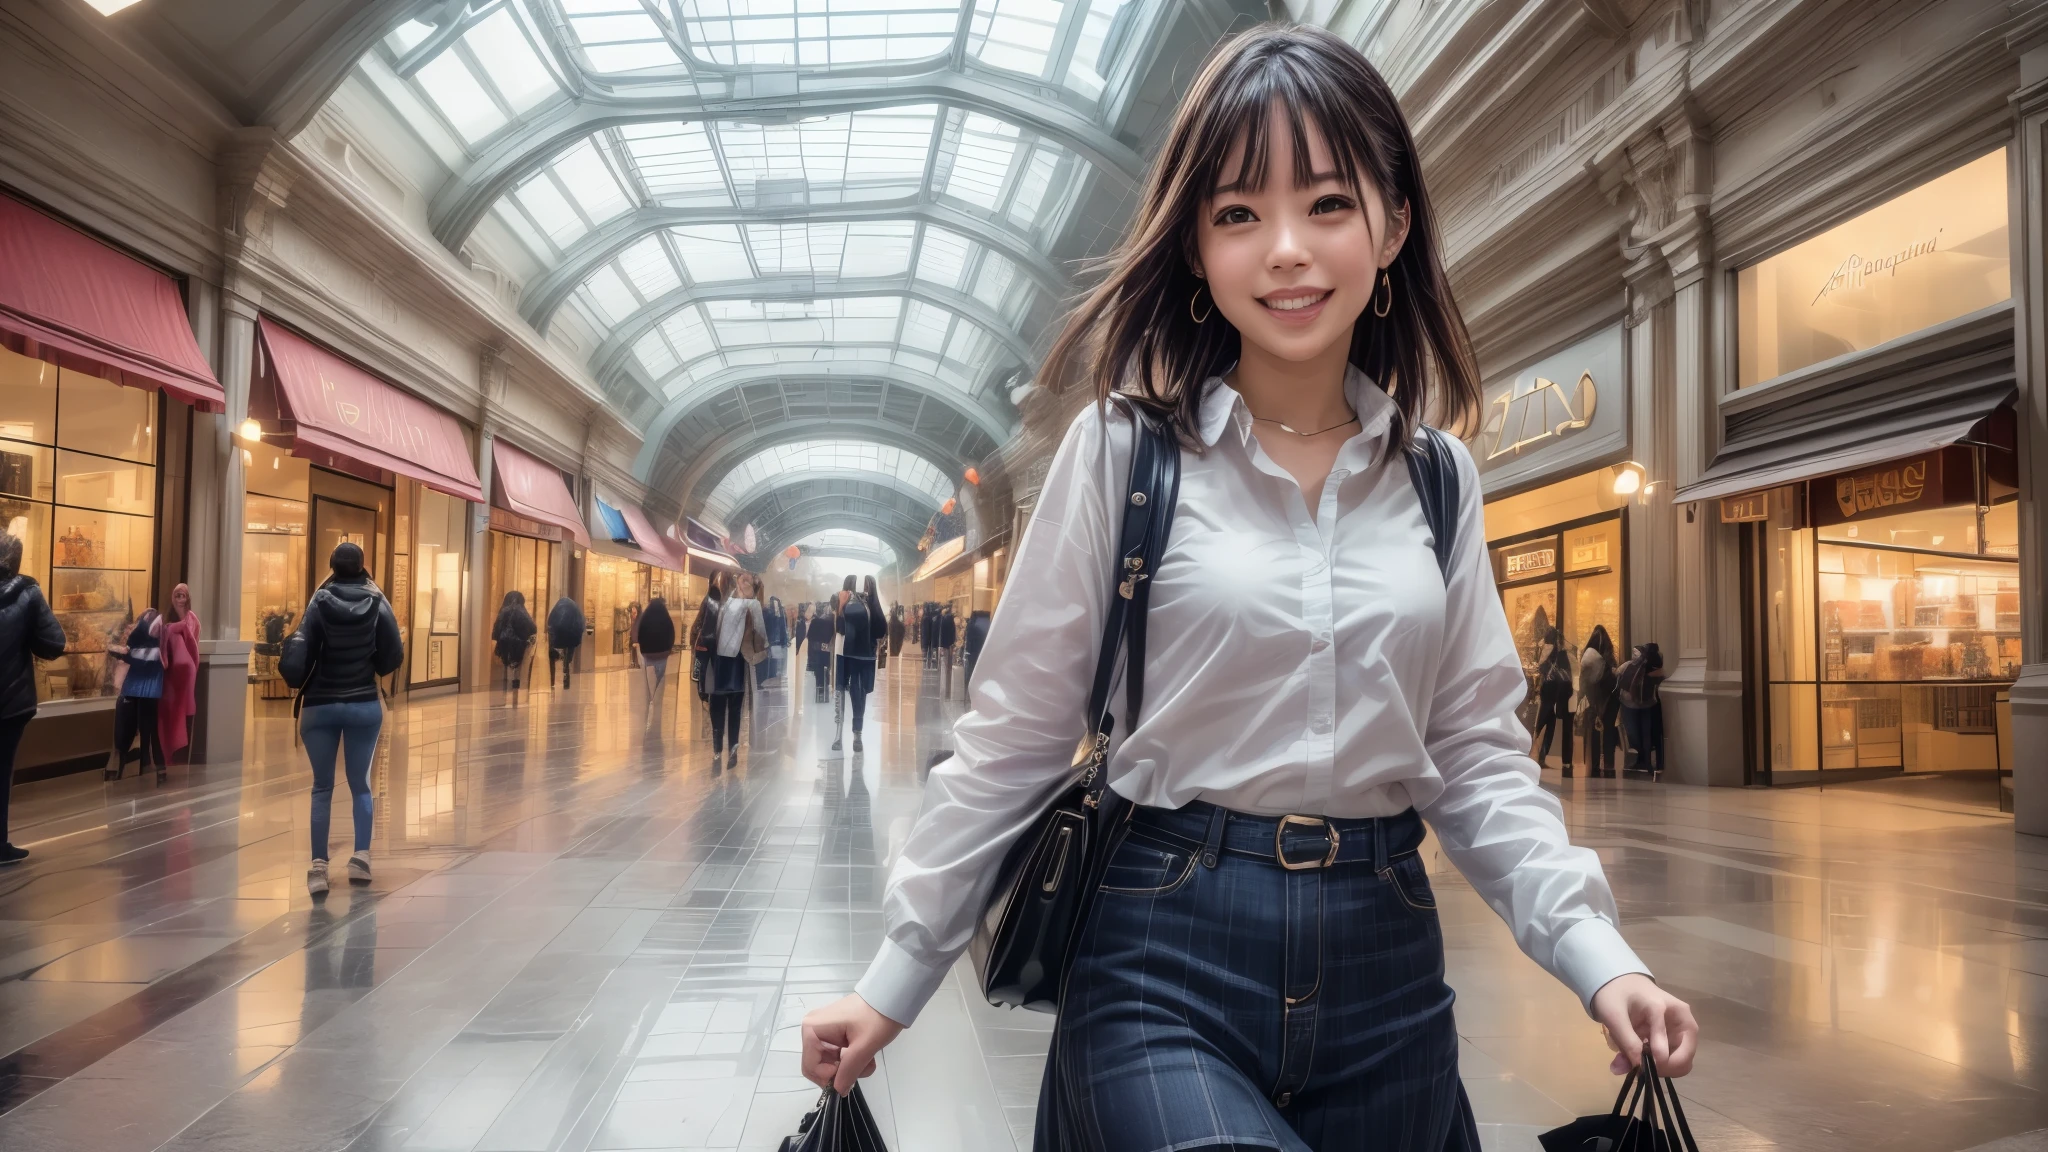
(352, 729)
(1646, 735)
(1219, 1000)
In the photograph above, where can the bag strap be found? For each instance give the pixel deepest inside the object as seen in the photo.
(1433, 469)
(1153, 489)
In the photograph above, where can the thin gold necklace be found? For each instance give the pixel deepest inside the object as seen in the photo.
(1352, 419)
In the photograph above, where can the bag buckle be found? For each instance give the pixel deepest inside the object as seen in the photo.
(1280, 843)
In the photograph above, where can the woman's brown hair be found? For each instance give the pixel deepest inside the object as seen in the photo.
(1136, 331)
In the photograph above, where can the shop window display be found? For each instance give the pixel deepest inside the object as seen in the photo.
(437, 553)
(275, 512)
(614, 589)
(526, 565)
(78, 486)
(1568, 578)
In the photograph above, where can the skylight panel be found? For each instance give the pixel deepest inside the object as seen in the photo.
(878, 248)
(981, 160)
(712, 253)
(993, 283)
(613, 300)
(687, 333)
(408, 36)
(522, 226)
(888, 147)
(771, 464)
(1016, 35)
(543, 200)
(590, 181)
(648, 268)
(619, 36)
(925, 326)
(676, 162)
(970, 345)
(871, 155)
(1105, 32)
(1033, 184)
(797, 248)
(459, 96)
(942, 257)
(656, 358)
(500, 45)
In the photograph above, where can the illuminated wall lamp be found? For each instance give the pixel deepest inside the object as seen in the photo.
(1632, 479)
(251, 430)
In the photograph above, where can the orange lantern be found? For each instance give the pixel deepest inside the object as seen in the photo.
(946, 509)
(974, 477)
(792, 551)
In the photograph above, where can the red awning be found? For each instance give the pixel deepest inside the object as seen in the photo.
(650, 541)
(339, 409)
(70, 300)
(534, 489)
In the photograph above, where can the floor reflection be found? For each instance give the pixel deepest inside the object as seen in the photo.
(583, 935)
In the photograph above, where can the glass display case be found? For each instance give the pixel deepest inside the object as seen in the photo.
(78, 486)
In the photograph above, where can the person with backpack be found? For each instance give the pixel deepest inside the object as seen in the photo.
(655, 636)
(1642, 707)
(347, 638)
(512, 636)
(1554, 699)
(1329, 665)
(1599, 707)
(704, 635)
(566, 626)
(820, 632)
(138, 686)
(857, 624)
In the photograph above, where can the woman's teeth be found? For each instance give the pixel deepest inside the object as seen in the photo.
(1291, 303)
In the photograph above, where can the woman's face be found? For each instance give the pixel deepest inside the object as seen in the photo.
(181, 600)
(1293, 267)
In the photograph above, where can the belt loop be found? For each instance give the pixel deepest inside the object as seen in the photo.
(1380, 863)
(1212, 844)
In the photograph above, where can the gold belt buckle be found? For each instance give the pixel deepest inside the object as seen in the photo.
(1280, 847)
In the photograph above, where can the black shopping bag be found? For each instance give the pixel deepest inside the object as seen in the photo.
(1647, 1117)
(838, 1124)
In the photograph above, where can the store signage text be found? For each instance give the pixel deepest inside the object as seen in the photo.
(1860, 492)
(1850, 274)
(1531, 412)
(1746, 509)
(1530, 562)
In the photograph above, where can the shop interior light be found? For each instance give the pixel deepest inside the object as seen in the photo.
(109, 7)
(251, 430)
(1632, 479)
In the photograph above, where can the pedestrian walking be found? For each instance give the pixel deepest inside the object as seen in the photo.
(856, 629)
(740, 627)
(512, 637)
(566, 626)
(820, 632)
(656, 638)
(1639, 685)
(1554, 690)
(179, 646)
(1601, 707)
(28, 632)
(347, 638)
(138, 688)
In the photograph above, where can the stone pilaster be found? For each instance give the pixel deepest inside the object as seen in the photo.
(2029, 215)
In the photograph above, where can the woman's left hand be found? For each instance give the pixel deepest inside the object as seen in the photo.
(1633, 1011)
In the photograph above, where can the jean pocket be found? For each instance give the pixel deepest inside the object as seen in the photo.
(1142, 866)
(1410, 881)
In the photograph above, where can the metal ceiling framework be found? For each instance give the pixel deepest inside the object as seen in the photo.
(776, 220)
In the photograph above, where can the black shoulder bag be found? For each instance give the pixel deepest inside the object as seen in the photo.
(1043, 892)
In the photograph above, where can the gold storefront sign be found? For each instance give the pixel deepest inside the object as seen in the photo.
(1745, 509)
(1859, 492)
(1529, 562)
(1531, 413)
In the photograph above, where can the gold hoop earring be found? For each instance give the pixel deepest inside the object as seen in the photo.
(1387, 282)
(1204, 317)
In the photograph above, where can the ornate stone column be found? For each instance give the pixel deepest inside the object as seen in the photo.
(2029, 216)
(477, 665)
(216, 551)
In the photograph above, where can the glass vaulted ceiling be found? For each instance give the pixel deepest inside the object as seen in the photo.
(889, 238)
(908, 471)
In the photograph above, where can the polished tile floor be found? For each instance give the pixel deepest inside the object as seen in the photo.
(582, 937)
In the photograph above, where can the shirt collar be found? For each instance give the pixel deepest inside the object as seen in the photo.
(1222, 407)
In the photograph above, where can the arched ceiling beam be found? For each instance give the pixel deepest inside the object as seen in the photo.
(931, 388)
(856, 481)
(528, 144)
(545, 296)
(702, 470)
(846, 552)
(899, 528)
(611, 355)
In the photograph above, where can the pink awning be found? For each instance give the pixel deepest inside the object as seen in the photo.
(70, 300)
(532, 488)
(650, 541)
(339, 409)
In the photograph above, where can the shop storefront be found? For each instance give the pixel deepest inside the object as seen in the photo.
(99, 375)
(1869, 464)
(533, 524)
(620, 575)
(1550, 454)
(341, 456)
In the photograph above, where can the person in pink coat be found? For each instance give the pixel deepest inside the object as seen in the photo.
(180, 649)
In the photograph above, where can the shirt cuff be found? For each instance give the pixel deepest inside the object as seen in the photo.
(1587, 956)
(898, 984)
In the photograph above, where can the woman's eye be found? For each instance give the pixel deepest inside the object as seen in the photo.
(1236, 214)
(1329, 204)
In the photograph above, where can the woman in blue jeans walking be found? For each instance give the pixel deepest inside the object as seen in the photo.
(1263, 966)
(346, 640)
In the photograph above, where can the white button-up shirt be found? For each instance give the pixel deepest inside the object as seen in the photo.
(1300, 659)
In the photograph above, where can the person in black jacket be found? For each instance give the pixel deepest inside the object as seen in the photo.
(565, 634)
(971, 644)
(347, 638)
(896, 631)
(819, 633)
(28, 632)
(657, 638)
(857, 627)
(1554, 690)
(513, 634)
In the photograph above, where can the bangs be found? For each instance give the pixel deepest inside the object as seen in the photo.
(1315, 103)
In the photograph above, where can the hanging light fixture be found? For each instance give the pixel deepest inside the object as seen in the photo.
(974, 477)
(251, 430)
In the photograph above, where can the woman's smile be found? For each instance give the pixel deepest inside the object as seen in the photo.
(1296, 305)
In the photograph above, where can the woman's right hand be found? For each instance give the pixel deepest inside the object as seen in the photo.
(841, 1040)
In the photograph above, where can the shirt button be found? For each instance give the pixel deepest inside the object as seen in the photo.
(1319, 643)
